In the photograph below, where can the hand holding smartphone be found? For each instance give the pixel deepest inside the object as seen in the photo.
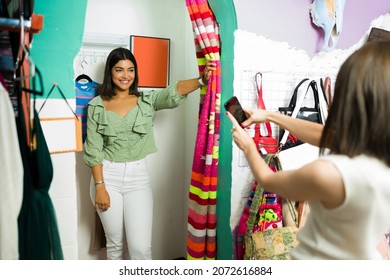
(234, 107)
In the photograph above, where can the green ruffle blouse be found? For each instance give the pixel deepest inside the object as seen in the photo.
(121, 139)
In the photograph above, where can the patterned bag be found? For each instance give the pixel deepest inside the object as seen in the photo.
(273, 244)
(270, 244)
(270, 211)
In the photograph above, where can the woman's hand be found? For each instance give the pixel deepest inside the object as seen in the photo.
(185, 87)
(102, 198)
(254, 116)
(208, 70)
(240, 136)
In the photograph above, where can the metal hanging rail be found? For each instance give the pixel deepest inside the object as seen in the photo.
(34, 25)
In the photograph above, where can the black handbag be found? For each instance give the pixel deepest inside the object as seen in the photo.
(295, 109)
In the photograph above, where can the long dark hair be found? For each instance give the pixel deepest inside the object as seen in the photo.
(106, 89)
(358, 118)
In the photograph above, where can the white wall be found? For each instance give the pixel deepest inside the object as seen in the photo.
(175, 130)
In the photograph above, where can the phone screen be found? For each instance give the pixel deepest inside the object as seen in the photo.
(234, 107)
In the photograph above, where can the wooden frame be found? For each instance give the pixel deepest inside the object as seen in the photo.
(152, 55)
(62, 135)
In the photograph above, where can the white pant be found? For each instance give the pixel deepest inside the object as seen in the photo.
(130, 216)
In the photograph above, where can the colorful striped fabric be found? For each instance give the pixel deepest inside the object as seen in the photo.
(201, 239)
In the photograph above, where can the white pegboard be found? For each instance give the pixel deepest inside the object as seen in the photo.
(278, 87)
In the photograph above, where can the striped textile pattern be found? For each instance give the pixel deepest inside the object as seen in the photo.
(201, 238)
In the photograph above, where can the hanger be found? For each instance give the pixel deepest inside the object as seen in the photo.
(83, 76)
(23, 53)
(34, 90)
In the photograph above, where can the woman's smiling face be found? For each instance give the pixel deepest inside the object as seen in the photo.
(123, 74)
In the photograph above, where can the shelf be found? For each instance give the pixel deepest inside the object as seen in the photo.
(34, 25)
(105, 40)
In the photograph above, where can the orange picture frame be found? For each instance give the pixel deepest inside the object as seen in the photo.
(152, 55)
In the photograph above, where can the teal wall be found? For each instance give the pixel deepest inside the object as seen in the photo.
(225, 13)
(55, 46)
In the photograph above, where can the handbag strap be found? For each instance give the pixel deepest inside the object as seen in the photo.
(293, 100)
(257, 198)
(326, 90)
(261, 105)
(256, 201)
(325, 98)
(297, 103)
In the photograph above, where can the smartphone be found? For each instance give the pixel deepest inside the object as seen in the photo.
(234, 107)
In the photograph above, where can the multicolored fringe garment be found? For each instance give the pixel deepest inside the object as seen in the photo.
(201, 239)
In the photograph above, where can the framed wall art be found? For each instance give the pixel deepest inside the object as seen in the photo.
(63, 135)
(152, 55)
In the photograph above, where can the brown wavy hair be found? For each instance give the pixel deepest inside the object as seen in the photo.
(358, 118)
(106, 89)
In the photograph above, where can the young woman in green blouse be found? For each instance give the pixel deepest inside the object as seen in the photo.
(119, 137)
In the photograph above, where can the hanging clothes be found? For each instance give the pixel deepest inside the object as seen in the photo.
(202, 219)
(11, 174)
(85, 91)
(38, 232)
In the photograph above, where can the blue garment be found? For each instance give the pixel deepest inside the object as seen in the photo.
(84, 93)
